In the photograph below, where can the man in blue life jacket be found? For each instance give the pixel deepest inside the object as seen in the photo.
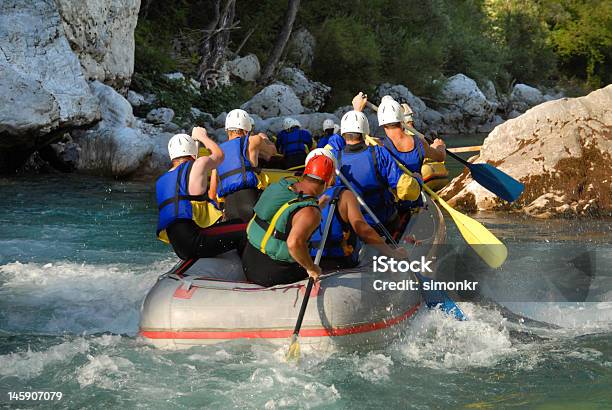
(328, 131)
(348, 228)
(371, 169)
(403, 144)
(186, 214)
(235, 179)
(286, 215)
(293, 142)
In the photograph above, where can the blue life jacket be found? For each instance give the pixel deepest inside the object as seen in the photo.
(294, 142)
(322, 141)
(174, 201)
(413, 160)
(235, 172)
(336, 142)
(361, 169)
(341, 242)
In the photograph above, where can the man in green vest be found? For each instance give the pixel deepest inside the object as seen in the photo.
(286, 216)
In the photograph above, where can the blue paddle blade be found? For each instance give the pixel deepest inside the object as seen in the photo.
(439, 299)
(496, 181)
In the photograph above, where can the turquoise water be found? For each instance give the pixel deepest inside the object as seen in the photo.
(78, 254)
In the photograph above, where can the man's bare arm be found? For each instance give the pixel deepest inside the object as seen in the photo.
(303, 224)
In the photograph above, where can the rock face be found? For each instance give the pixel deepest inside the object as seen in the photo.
(246, 68)
(301, 48)
(101, 34)
(161, 115)
(114, 146)
(464, 95)
(273, 101)
(561, 150)
(312, 94)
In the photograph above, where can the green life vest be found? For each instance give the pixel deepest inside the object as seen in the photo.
(268, 230)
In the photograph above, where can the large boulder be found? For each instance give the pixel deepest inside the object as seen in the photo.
(301, 48)
(561, 150)
(462, 93)
(312, 94)
(246, 68)
(101, 33)
(273, 101)
(115, 145)
(524, 97)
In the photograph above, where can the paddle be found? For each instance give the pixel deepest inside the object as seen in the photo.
(491, 178)
(486, 245)
(294, 347)
(433, 298)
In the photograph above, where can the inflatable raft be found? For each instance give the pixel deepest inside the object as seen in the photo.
(210, 301)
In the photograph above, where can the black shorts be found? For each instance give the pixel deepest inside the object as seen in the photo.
(265, 271)
(294, 160)
(190, 241)
(239, 205)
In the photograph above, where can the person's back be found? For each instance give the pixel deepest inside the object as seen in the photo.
(235, 179)
(293, 142)
(185, 211)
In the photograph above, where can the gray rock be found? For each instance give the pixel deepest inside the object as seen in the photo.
(160, 115)
(115, 145)
(489, 126)
(340, 111)
(488, 89)
(524, 97)
(201, 116)
(513, 114)
(34, 44)
(159, 160)
(401, 94)
(464, 95)
(246, 68)
(101, 34)
(312, 94)
(135, 99)
(273, 101)
(301, 48)
(171, 127)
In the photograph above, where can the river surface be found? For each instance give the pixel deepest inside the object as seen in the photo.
(78, 254)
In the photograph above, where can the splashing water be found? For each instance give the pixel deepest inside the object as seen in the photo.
(75, 269)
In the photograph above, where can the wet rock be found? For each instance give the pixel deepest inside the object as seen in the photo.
(561, 150)
(273, 101)
(312, 94)
(160, 115)
(115, 145)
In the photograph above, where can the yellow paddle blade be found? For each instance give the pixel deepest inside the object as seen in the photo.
(484, 243)
(294, 349)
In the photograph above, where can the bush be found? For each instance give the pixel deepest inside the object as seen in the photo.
(347, 57)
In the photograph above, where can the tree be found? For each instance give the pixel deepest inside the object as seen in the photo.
(215, 40)
(281, 41)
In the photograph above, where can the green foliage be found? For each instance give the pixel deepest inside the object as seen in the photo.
(347, 56)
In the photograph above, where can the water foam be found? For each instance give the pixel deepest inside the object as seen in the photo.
(55, 298)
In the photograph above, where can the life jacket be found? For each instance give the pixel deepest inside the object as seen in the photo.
(323, 141)
(174, 201)
(361, 169)
(413, 159)
(341, 239)
(269, 228)
(294, 142)
(236, 172)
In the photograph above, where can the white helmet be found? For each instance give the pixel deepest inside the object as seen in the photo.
(389, 111)
(336, 128)
(238, 120)
(321, 151)
(252, 121)
(327, 124)
(289, 123)
(182, 145)
(354, 121)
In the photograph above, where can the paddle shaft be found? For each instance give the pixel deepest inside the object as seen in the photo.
(328, 221)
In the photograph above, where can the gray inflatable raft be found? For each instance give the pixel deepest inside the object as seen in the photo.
(210, 301)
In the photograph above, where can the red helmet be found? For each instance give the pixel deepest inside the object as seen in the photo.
(320, 167)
